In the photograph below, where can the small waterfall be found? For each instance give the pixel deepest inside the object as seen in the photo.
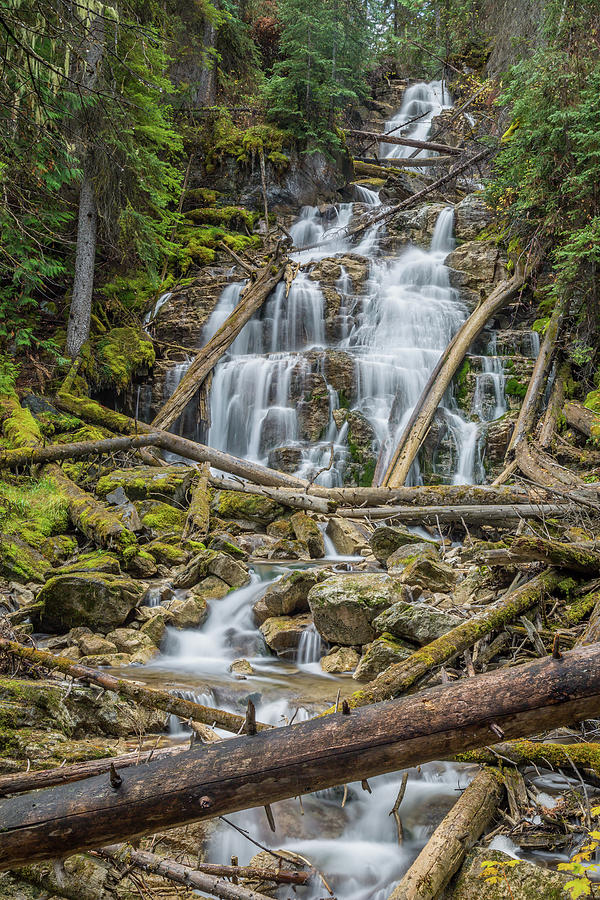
(421, 102)
(164, 298)
(310, 648)
(366, 195)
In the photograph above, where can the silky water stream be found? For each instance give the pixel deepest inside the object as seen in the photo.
(392, 329)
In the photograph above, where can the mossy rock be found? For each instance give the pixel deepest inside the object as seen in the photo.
(340, 661)
(246, 507)
(308, 532)
(223, 541)
(170, 484)
(32, 510)
(18, 425)
(211, 588)
(58, 548)
(417, 622)
(387, 538)
(430, 574)
(384, 651)
(98, 600)
(283, 633)
(289, 594)
(118, 355)
(20, 562)
(96, 561)
(167, 554)
(161, 518)
(345, 606)
(190, 612)
(517, 880)
(47, 747)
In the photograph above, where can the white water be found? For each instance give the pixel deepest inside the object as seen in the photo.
(421, 102)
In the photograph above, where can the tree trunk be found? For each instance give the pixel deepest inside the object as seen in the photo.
(455, 515)
(406, 142)
(440, 379)
(399, 677)
(445, 850)
(554, 408)
(287, 762)
(423, 495)
(151, 698)
(14, 459)
(368, 166)
(573, 557)
(197, 522)
(583, 419)
(253, 297)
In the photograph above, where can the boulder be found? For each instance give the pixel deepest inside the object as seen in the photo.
(190, 612)
(99, 600)
(430, 574)
(229, 570)
(211, 588)
(20, 561)
(400, 558)
(167, 554)
(258, 545)
(195, 570)
(170, 483)
(285, 549)
(416, 621)
(154, 622)
(282, 633)
(476, 267)
(134, 642)
(260, 612)
(381, 653)
(471, 216)
(96, 561)
(308, 532)
(313, 407)
(241, 667)
(285, 459)
(387, 538)
(160, 518)
(520, 881)
(340, 660)
(245, 507)
(142, 565)
(349, 538)
(281, 529)
(345, 606)
(289, 593)
(92, 644)
(225, 542)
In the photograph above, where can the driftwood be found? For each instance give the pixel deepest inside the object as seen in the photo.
(197, 522)
(473, 515)
(439, 381)
(286, 762)
(94, 412)
(253, 296)
(405, 142)
(445, 850)
(145, 696)
(21, 782)
(94, 519)
(25, 456)
(583, 419)
(399, 677)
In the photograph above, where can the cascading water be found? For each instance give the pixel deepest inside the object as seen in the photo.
(421, 103)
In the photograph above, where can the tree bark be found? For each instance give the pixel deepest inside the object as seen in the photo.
(573, 557)
(554, 408)
(14, 459)
(290, 761)
(405, 142)
(197, 522)
(399, 677)
(447, 847)
(151, 698)
(440, 379)
(475, 515)
(583, 419)
(585, 756)
(254, 295)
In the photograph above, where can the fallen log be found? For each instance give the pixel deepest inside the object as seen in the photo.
(94, 412)
(554, 408)
(447, 847)
(542, 469)
(473, 515)
(91, 517)
(399, 677)
(21, 782)
(369, 166)
(445, 370)
(26, 456)
(180, 874)
(585, 756)
(295, 499)
(174, 871)
(583, 419)
(152, 698)
(286, 762)
(574, 557)
(405, 142)
(197, 522)
(253, 296)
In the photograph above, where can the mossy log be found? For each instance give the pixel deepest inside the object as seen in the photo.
(461, 828)
(400, 677)
(18, 425)
(405, 142)
(295, 499)
(95, 520)
(584, 756)
(574, 557)
(197, 522)
(424, 495)
(583, 419)
(151, 698)
(420, 421)
(94, 412)
(251, 300)
(473, 515)
(273, 765)
(542, 469)
(24, 456)
(369, 167)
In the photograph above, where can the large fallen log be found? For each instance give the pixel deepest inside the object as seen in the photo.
(406, 142)
(439, 381)
(585, 756)
(583, 419)
(367, 166)
(473, 515)
(399, 677)
(197, 522)
(253, 296)
(574, 557)
(94, 412)
(460, 829)
(286, 762)
(26, 456)
(554, 408)
(151, 698)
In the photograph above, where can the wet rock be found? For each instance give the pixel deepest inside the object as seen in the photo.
(222, 540)
(289, 550)
(167, 554)
(340, 372)
(229, 570)
(21, 562)
(161, 519)
(260, 612)
(246, 507)
(281, 529)
(93, 644)
(379, 655)
(430, 574)
(362, 443)
(211, 588)
(515, 882)
(339, 661)
(241, 667)
(285, 459)
(349, 538)
(154, 621)
(415, 225)
(308, 532)
(171, 483)
(134, 642)
(97, 561)
(100, 601)
(477, 266)
(190, 612)
(497, 439)
(282, 633)
(345, 606)
(387, 538)
(195, 570)
(142, 565)
(258, 545)
(400, 558)
(416, 621)
(471, 216)
(289, 593)
(313, 408)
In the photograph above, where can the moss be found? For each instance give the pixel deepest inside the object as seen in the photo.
(514, 388)
(18, 425)
(462, 382)
(580, 608)
(368, 473)
(235, 505)
(167, 554)
(20, 562)
(162, 516)
(223, 216)
(201, 195)
(120, 354)
(57, 423)
(32, 509)
(243, 143)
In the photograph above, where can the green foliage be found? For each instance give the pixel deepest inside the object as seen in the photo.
(32, 510)
(514, 388)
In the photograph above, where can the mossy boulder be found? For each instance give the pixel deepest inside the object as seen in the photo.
(340, 661)
(142, 565)
(282, 633)
(20, 562)
(308, 532)
(91, 644)
(195, 570)
(430, 574)
(154, 621)
(18, 425)
(281, 529)
(170, 484)
(349, 538)
(245, 507)
(222, 540)
(418, 622)
(211, 588)
(167, 554)
(118, 355)
(284, 549)
(401, 557)
(289, 594)
(134, 642)
(58, 548)
(161, 519)
(99, 600)
(96, 561)
(345, 606)
(519, 880)
(381, 653)
(387, 538)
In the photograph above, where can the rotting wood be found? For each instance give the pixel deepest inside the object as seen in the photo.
(585, 756)
(447, 847)
(197, 522)
(400, 677)
(253, 296)
(431, 397)
(27, 456)
(299, 759)
(152, 698)
(583, 419)
(405, 142)
(574, 557)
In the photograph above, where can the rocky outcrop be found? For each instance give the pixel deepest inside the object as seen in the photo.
(471, 216)
(345, 606)
(97, 600)
(476, 268)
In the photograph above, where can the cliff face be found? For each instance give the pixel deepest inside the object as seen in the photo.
(514, 28)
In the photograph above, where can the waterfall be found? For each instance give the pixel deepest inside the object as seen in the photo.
(421, 102)
(310, 648)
